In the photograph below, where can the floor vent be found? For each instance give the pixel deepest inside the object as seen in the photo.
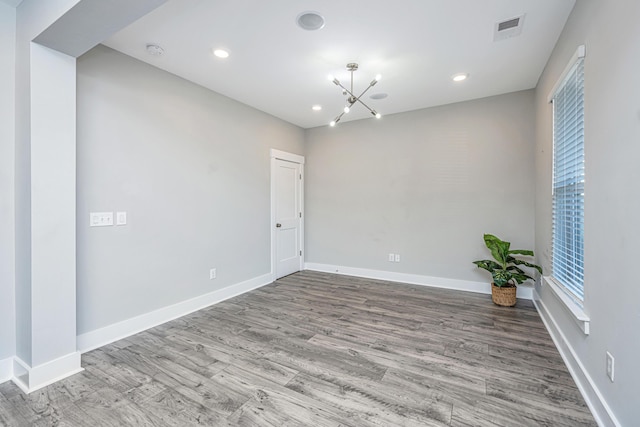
(511, 27)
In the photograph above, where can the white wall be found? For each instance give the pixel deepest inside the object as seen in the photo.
(7, 141)
(191, 169)
(424, 184)
(611, 34)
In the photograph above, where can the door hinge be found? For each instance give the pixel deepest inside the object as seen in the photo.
(300, 214)
(300, 253)
(300, 176)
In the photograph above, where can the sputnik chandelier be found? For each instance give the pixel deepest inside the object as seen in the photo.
(351, 98)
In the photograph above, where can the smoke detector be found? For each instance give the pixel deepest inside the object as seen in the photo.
(154, 50)
(509, 28)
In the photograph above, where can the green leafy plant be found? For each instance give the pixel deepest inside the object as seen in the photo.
(505, 268)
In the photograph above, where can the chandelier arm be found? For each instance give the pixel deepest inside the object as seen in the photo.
(344, 88)
(357, 98)
(337, 119)
(367, 107)
(363, 92)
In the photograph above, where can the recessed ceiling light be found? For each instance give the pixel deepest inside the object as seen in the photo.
(154, 49)
(379, 96)
(459, 77)
(221, 53)
(316, 107)
(310, 21)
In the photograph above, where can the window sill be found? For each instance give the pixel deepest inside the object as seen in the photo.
(575, 311)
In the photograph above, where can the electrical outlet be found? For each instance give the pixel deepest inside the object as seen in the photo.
(212, 274)
(397, 257)
(610, 366)
(391, 257)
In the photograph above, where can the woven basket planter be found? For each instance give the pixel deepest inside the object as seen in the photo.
(504, 296)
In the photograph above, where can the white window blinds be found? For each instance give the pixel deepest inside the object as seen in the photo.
(568, 182)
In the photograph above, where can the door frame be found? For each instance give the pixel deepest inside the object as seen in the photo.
(294, 158)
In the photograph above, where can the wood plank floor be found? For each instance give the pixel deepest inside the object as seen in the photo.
(316, 349)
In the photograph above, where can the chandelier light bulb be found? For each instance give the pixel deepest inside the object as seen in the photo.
(333, 123)
(378, 115)
(378, 77)
(346, 109)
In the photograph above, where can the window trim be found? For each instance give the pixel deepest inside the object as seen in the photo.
(574, 307)
(575, 310)
(579, 53)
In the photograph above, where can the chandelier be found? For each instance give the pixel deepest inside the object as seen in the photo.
(351, 98)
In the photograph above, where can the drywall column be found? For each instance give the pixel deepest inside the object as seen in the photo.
(45, 165)
(7, 220)
(53, 222)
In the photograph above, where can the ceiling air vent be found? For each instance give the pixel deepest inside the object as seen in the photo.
(510, 28)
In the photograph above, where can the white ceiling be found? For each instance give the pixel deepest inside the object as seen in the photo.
(417, 45)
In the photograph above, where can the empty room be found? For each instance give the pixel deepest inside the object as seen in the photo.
(319, 213)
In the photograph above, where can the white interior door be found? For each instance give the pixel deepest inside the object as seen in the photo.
(288, 216)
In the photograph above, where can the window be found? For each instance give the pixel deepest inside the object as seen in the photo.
(568, 179)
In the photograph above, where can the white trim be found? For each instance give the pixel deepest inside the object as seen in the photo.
(524, 292)
(108, 334)
(579, 53)
(595, 401)
(576, 312)
(283, 155)
(30, 379)
(6, 369)
(294, 158)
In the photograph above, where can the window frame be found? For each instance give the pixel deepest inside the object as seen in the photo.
(570, 300)
(568, 181)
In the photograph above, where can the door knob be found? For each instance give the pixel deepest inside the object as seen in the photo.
(278, 225)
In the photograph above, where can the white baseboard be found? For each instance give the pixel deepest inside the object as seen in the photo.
(6, 369)
(30, 379)
(103, 336)
(524, 292)
(592, 396)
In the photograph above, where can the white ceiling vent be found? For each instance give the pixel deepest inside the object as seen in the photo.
(511, 27)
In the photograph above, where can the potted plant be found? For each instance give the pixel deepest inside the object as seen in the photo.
(505, 270)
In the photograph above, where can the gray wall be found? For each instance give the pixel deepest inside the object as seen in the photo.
(424, 184)
(7, 141)
(612, 151)
(191, 169)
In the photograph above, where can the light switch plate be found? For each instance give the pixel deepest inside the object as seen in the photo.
(100, 219)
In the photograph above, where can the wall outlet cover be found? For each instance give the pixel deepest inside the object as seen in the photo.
(610, 366)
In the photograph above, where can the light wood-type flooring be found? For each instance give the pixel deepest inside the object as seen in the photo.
(315, 349)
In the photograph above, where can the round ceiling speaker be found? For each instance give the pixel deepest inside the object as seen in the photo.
(310, 21)
(379, 96)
